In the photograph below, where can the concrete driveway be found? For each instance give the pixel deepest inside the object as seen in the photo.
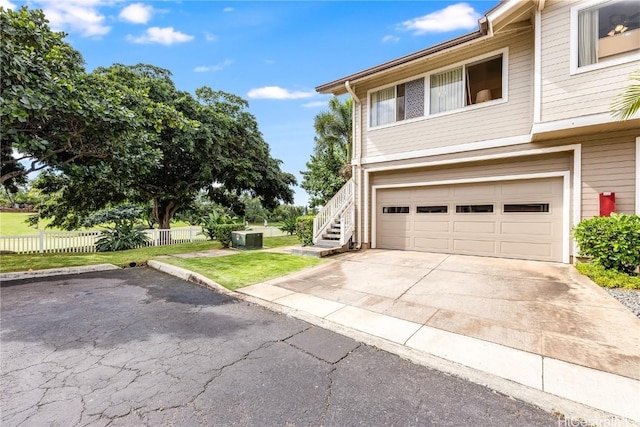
(539, 324)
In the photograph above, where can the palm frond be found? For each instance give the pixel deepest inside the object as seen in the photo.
(627, 104)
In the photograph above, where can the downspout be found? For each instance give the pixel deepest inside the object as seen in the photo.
(356, 167)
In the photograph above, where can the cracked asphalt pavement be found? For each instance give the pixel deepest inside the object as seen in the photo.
(138, 347)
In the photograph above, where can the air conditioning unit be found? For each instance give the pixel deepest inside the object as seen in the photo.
(246, 239)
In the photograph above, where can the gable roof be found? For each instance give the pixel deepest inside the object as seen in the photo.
(507, 12)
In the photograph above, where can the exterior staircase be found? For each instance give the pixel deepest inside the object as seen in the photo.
(333, 225)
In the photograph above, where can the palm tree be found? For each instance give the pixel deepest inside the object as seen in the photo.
(628, 103)
(334, 132)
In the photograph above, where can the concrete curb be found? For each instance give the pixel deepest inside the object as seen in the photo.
(19, 275)
(189, 276)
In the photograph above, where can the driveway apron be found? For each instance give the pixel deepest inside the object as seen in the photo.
(536, 323)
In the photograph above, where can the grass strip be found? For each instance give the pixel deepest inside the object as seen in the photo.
(24, 262)
(245, 268)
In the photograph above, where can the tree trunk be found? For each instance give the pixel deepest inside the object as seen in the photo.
(163, 211)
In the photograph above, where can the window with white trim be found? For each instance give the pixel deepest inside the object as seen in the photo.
(608, 31)
(401, 102)
(468, 84)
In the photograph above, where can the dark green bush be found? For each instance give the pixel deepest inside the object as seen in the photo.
(289, 225)
(304, 229)
(123, 231)
(122, 237)
(613, 242)
(221, 232)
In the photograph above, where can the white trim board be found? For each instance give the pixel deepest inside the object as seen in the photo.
(450, 149)
(566, 199)
(537, 67)
(537, 128)
(577, 179)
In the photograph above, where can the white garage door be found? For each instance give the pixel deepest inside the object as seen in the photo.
(510, 219)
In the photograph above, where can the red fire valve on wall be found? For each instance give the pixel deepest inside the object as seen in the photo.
(607, 203)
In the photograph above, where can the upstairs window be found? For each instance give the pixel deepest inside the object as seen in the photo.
(608, 31)
(468, 84)
(402, 102)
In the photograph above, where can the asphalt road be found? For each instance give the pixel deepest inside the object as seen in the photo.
(138, 347)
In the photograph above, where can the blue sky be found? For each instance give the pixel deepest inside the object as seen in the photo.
(271, 53)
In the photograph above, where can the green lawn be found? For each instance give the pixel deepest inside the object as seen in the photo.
(12, 224)
(22, 262)
(245, 268)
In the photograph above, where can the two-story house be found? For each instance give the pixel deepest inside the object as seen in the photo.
(497, 142)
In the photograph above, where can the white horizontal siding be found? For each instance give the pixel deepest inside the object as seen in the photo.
(608, 164)
(487, 122)
(565, 95)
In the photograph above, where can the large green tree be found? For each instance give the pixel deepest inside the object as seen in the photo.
(218, 149)
(330, 164)
(52, 113)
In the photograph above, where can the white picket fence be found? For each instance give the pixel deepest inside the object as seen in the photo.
(84, 241)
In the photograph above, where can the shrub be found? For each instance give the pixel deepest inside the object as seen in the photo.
(124, 233)
(613, 242)
(222, 233)
(608, 278)
(217, 226)
(122, 237)
(304, 229)
(289, 225)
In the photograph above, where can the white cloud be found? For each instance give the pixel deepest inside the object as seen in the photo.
(166, 36)
(315, 104)
(76, 16)
(7, 4)
(269, 61)
(454, 17)
(275, 92)
(136, 13)
(210, 37)
(390, 39)
(228, 9)
(217, 67)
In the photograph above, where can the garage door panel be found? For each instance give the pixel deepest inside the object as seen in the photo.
(433, 193)
(474, 192)
(530, 228)
(530, 189)
(432, 226)
(481, 227)
(527, 228)
(527, 249)
(432, 244)
(396, 242)
(485, 247)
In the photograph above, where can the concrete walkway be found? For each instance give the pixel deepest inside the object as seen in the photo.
(539, 324)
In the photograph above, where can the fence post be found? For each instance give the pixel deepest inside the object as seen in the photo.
(190, 235)
(41, 241)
